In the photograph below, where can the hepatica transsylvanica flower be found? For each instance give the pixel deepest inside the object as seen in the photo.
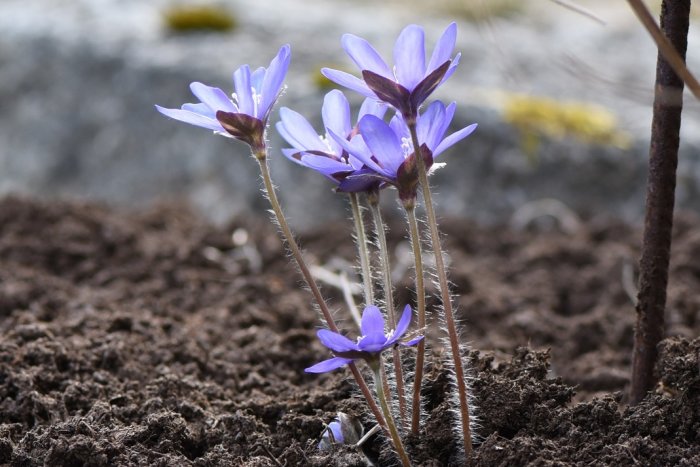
(386, 150)
(373, 341)
(409, 83)
(322, 152)
(244, 115)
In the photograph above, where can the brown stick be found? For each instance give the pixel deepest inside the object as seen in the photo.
(661, 185)
(673, 55)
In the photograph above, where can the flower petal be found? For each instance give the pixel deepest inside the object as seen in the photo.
(347, 80)
(244, 90)
(272, 82)
(444, 47)
(364, 55)
(413, 341)
(201, 109)
(372, 107)
(454, 138)
(191, 118)
(215, 98)
(336, 116)
(302, 134)
(335, 341)
(360, 182)
(325, 165)
(372, 321)
(328, 365)
(409, 56)
(382, 142)
(403, 324)
(358, 148)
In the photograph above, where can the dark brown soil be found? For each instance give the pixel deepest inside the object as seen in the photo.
(151, 338)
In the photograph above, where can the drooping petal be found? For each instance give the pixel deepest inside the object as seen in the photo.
(409, 56)
(241, 82)
(364, 55)
(293, 155)
(382, 142)
(272, 82)
(443, 49)
(300, 130)
(372, 321)
(349, 81)
(191, 118)
(328, 365)
(215, 98)
(335, 341)
(454, 138)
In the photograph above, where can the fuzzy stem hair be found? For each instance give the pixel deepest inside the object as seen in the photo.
(362, 250)
(388, 298)
(444, 292)
(269, 191)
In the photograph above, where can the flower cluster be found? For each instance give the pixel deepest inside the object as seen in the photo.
(360, 156)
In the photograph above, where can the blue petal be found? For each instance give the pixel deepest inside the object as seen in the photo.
(241, 82)
(337, 432)
(357, 147)
(328, 365)
(301, 131)
(201, 109)
(373, 343)
(349, 81)
(443, 49)
(191, 118)
(272, 82)
(325, 165)
(365, 56)
(431, 125)
(256, 79)
(335, 341)
(403, 324)
(215, 98)
(413, 341)
(372, 106)
(409, 56)
(454, 138)
(372, 321)
(383, 143)
(336, 116)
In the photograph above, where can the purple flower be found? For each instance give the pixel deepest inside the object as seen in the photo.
(411, 80)
(322, 152)
(244, 116)
(386, 150)
(368, 346)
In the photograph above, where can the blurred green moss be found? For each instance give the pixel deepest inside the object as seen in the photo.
(323, 83)
(195, 18)
(537, 117)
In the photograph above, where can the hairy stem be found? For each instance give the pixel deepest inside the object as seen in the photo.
(388, 298)
(379, 385)
(420, 302)
(261, 157)
(444, 292)
(362, 249)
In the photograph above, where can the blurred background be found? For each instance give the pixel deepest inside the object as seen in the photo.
(563, 102)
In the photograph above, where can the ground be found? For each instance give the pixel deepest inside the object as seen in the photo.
(151, 337)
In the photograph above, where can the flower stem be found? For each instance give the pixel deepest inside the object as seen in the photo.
(261, 157)
(388, 297)
(362, 249)
(444, 293)
(379, 386)
(420, 302)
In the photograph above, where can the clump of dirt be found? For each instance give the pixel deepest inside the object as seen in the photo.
(153, 338)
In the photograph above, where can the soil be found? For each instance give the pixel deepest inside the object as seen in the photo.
(154, 338)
